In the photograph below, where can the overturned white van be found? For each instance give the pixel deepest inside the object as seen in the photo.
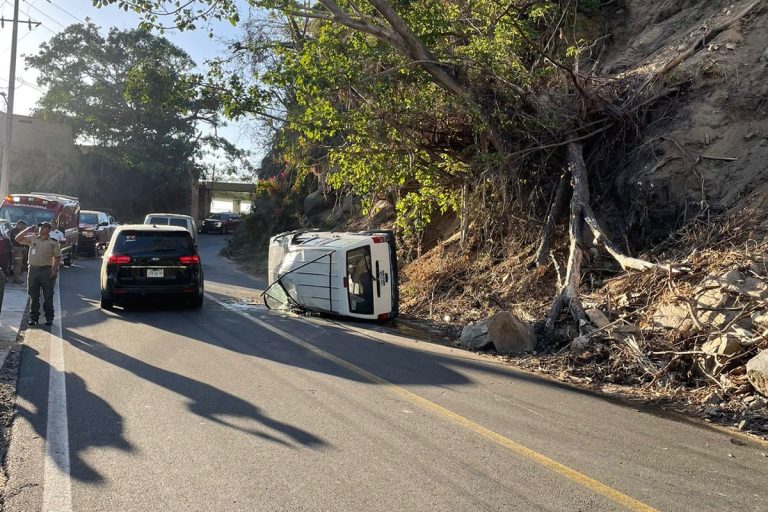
(344, 274)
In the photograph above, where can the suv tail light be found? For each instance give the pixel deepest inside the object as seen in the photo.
(119, 259)
(193, 259)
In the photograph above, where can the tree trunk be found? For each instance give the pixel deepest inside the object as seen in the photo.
(569, 295)
(555, 210)
(464, 214)
(581, 214)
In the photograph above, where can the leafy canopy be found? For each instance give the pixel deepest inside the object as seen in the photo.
(130, 92)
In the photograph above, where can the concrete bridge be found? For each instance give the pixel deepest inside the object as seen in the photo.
(206, 191)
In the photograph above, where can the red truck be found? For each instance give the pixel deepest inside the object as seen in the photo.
(38, 207)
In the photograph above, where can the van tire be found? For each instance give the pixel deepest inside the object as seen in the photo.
(197, 302)
(68, 260)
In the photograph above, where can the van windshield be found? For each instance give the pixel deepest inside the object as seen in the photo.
(143, 242)
(28, 214)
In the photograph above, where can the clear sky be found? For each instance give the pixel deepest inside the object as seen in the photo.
(55, 15)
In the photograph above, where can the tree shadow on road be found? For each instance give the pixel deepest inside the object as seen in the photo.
(32, 405)
(205, 400)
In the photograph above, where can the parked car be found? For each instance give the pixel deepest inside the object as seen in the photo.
(144, 260)
(221, 223)
(38, 207)
(173, 219)
(96, 230)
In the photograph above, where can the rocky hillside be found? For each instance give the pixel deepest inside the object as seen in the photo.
(691, 197)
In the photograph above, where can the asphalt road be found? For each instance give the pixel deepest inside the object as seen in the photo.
(235, 408)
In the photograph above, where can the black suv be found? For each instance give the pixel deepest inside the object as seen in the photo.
(145, 261)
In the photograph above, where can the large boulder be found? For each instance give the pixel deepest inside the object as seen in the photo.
(673, 316)
(719, 350)
(757, 372)
(350, 204)
(506, 332)
(382, 211)
(315, 202)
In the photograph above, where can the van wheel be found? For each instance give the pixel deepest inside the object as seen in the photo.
(197, 302)
(107, 304)
(95, 251)
(68, 260)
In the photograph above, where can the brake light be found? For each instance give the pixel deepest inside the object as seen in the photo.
(119, 259)
(378, 239)
(193, 259)
(383, 317)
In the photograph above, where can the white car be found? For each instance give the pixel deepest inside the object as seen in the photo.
(173, 219)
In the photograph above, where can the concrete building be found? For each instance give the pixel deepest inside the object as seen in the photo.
(42, 153)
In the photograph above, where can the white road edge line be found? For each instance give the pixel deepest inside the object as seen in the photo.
(57, 484)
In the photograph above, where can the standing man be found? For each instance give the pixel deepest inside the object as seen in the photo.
(55, 233)
(18, 251)
(44, 259)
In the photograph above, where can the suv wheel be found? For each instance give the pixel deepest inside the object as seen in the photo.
(107, 304)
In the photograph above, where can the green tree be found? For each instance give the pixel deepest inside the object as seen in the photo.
(131, 94)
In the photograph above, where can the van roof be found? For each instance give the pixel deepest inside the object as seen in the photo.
(169, 215)
(47, 197)
(50, 194)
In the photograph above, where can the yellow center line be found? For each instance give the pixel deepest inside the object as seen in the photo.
(596, 486)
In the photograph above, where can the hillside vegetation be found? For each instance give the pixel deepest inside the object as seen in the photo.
(598, 168)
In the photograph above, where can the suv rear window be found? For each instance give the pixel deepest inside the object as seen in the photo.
(143, 242)
(158, 220)
(89, 218)
(182, 223)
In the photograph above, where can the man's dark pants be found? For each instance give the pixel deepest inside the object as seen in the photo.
(3, 279)
(40, 278)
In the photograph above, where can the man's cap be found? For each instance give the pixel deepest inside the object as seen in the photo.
(21, 221)
(44, 225)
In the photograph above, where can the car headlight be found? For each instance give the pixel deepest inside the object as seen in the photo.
(88, 234)
(218, 224)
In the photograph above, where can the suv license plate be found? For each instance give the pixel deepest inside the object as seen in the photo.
(154, 272)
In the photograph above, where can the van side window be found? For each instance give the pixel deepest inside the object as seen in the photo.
(360, 280)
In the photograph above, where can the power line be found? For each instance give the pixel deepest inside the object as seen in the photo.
(63, 10)
(32, 5)
(20, 39)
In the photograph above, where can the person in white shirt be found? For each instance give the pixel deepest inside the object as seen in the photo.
(55, 233)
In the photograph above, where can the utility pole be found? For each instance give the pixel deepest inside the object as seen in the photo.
(4, 173)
